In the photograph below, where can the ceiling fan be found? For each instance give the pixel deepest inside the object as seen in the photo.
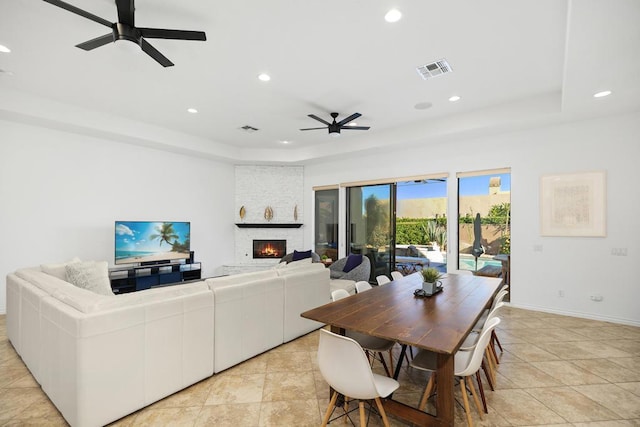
(125, 29)
(336, 127)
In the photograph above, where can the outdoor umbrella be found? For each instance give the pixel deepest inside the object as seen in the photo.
(477, 239)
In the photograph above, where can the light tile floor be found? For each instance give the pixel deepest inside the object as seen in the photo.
(555, 371)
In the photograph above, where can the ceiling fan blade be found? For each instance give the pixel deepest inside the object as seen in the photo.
(314, 128)
(97, 42)
(355, 127)
(348, 119)
(77, 11)
(155, 54)
(126, 10)
(160, 33)
(313, 116)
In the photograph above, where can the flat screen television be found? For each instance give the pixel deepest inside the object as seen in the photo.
(148, 242)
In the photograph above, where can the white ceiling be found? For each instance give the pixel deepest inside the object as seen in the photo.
(515, 63)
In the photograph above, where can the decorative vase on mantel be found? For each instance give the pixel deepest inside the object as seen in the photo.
(430, 278)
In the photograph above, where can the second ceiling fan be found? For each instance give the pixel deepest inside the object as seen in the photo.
(125, 29)
(335, 127)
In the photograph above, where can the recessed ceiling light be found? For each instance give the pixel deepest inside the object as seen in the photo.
(284, 142)
(454, 98)
(423, 105)
(4, 49)
(393, 15)
(602, 94)
(192, 110)
(264, 77)
(352, 124)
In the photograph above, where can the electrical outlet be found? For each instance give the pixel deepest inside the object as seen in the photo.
(561, 293)
(596, 298)
(619, 251)
(537, 248)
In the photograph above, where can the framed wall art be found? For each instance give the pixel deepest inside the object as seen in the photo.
(573, 204)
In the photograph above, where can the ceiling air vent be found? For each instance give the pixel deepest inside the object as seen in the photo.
(434, 69)
(248, 129)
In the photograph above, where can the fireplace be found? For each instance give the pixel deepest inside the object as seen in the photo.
(269, 248)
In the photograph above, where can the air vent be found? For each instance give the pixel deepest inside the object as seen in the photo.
(249, 129)
(434, 69)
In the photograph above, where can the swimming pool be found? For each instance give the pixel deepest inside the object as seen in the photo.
(468, 262)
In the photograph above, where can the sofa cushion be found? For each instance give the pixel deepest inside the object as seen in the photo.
(352, 262)
(297, 256)
(301, 268)
(300, 263)
(90, 275)
(236, 279)
(58, 270)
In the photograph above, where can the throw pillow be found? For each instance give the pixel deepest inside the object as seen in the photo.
(92, 276)
(352, 262)
(297, 256)
(58, 270)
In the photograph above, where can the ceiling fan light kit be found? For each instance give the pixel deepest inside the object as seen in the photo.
(125, 29)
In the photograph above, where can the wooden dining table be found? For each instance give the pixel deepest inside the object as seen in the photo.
(438, 323)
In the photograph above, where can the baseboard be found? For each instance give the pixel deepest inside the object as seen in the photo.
(581, 315)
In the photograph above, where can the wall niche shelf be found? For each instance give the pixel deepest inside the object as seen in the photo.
(267, 225)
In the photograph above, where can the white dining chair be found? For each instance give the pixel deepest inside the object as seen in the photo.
(345, 368)
(396, 275)
(466, 364)
(382, 280)
(362, 286)
(339, 294)
(372, 345)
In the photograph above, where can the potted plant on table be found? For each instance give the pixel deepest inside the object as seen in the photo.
(430, 278)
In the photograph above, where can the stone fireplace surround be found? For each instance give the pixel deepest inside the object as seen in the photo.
(259, 187)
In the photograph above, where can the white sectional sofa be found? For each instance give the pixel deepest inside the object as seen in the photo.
(99, 358)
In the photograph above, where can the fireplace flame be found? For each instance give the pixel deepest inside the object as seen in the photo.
(269, 250)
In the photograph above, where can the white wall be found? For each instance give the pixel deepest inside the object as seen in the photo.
(60, 194)
(578, 266)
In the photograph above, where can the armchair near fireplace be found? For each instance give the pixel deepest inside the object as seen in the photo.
(357, 273)
(289, 257)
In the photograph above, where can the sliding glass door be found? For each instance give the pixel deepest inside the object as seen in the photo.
(326, 223)
(484, 222)
(371, 226)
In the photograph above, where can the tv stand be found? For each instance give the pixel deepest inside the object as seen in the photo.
(132, 279)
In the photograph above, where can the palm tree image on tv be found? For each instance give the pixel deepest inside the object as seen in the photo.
(138, 241)
(165, 233)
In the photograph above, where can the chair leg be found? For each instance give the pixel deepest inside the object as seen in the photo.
(490, 364)
(465, 400)
(390, 360)
(386, 368)
(473, 393)
(494, 337)
(484, 400)
(345, 407)
(427, 391)
(363, 418)
(492, 347)
(332, 404)
(383, 414)
(486, 374)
